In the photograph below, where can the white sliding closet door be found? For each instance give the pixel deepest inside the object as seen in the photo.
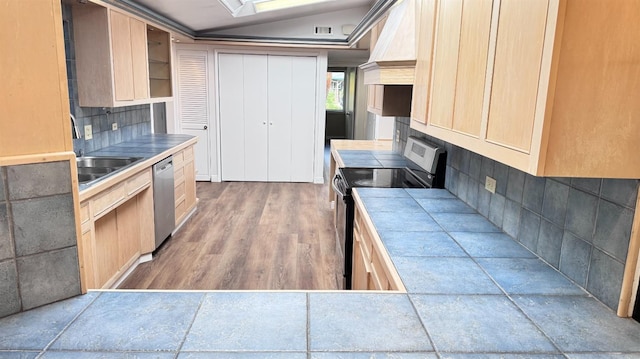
(292, 95)
(267, 117)
(243, 113)
(303, 113)
(255, 118)
(280, 134)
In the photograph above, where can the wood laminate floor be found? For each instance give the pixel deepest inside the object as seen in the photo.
(249, 235)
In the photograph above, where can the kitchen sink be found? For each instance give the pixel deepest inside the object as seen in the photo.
(94, 168)
(105, 162)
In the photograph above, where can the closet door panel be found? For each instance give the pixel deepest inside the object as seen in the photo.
(231, 92)
(303, 111)
(280, 80)
(255, 105)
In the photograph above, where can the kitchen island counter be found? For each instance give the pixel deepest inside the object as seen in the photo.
(470, 290)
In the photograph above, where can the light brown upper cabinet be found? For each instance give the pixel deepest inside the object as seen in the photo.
(114, 60)
(159, 45)
(34, 101)
(545, 86)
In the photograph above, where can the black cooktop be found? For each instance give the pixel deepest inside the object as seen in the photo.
(381, 178)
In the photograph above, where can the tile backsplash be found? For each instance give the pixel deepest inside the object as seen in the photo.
(580, 226)
(132, 121)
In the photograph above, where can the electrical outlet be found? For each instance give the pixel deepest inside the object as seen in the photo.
(490, 185)
(114, 126)
(88, 132)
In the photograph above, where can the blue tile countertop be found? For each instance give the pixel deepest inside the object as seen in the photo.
(152, 148)
(145, 146)
(372, 158)
(473, 292)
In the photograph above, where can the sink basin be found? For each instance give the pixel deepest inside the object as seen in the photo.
(109, 162)
(93, 168)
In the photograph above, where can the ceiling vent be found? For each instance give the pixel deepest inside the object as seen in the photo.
(323, 30)
(393, 59)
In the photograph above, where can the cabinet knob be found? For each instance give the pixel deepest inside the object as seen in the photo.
(264, 122)
(205, 127)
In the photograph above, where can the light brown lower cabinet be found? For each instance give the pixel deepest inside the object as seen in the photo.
(185, 183)
(117, 227)
(372, 266)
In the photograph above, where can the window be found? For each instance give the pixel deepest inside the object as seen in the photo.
(335, 90)
(269, 5)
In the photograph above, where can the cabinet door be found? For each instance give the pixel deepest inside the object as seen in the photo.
(360, 274)
(122, 58)
(445, 58)
(139, 59)
(460, 65)
(426, 29)
(106, 244)
(472, 66)
(190, 184)
(128, 238)
(516, 72)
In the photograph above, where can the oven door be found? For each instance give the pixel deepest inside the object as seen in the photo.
(344, 226)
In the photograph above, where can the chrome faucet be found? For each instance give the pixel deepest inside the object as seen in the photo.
(75, 133)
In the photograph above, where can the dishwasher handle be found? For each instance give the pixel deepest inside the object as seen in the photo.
(163, 165)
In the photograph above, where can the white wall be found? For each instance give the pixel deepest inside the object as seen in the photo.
(360, 120)
(303, 27)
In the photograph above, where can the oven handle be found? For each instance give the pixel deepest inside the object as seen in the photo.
(336, 187)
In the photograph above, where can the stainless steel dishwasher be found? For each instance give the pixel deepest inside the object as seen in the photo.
(163, 199)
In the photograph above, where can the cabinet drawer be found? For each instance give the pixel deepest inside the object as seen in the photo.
(188, 154)
(179, 192)
(84, 213)
(178, 160)
(181, 210)
(379, 272)
(178, 174)
(138, 181)
(103, 202)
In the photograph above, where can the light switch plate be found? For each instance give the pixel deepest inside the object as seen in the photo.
(88, 132)
(114, 126)
(490, 184)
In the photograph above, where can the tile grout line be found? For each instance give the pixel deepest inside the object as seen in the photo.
(512, 301)
(67, 326)
(415, 310)
(308, 337)
(186, 333)
(504, 293)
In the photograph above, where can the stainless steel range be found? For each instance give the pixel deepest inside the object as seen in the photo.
(425, 169)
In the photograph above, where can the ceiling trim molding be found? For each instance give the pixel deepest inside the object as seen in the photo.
(373, 15)
(148, 14)
(371, 18)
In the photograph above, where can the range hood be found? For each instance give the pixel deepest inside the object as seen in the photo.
(393, 58)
